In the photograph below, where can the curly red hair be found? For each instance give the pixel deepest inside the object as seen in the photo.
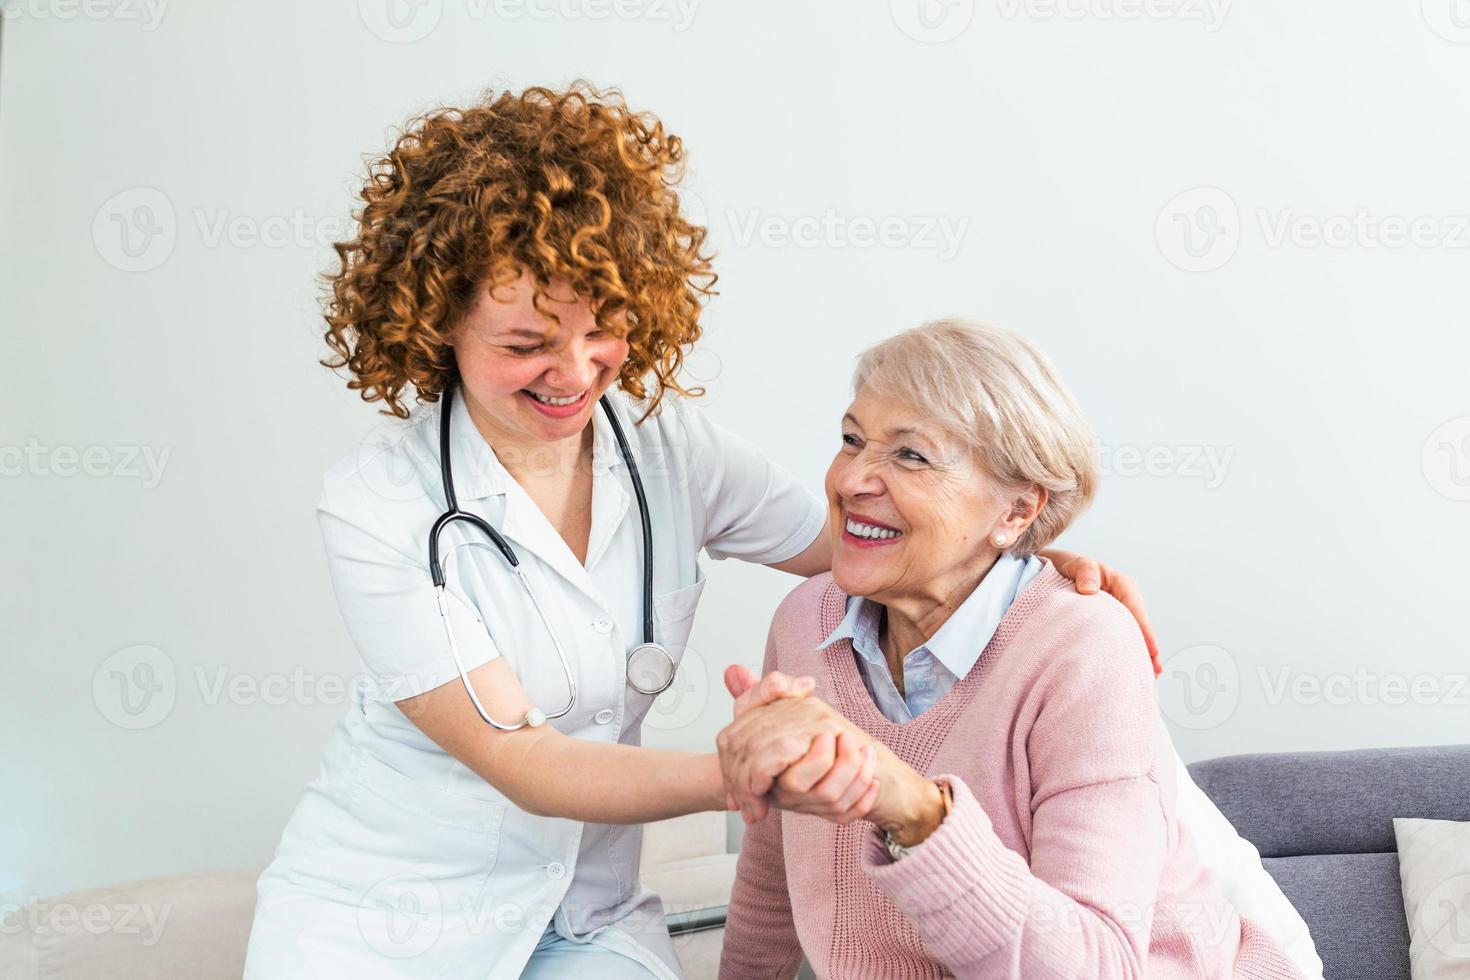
(564, 185)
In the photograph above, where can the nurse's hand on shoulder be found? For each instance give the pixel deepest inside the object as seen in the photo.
(1091, 576)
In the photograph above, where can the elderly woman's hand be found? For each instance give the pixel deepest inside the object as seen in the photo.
(799, 754)
(804, 754)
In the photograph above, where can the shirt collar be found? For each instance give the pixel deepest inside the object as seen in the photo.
(479, 473)
(960, 640)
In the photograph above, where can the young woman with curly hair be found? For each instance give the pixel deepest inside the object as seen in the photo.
(518, 263)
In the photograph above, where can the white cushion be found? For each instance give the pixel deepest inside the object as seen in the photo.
(1434, 866)
(1243, 879)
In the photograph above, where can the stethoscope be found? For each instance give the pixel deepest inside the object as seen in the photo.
(650, 667)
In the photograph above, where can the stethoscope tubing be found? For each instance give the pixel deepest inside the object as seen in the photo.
(535, 716)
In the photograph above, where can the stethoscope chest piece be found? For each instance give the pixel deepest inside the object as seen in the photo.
(650, 669)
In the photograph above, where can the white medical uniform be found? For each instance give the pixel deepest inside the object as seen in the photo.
(401, 862)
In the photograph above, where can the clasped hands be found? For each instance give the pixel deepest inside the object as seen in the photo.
(789, 749)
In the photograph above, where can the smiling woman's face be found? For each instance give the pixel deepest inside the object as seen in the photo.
(911, 513)
(529, 384)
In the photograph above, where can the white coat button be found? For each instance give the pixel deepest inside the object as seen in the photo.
(604, 716)
(557, 871)
(602, 624)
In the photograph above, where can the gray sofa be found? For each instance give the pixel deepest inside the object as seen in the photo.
(1323, 822)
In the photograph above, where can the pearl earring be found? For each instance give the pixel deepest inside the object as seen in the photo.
(999, 540)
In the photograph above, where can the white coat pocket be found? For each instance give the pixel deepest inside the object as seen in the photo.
(681, 704)
(393, 824)
(673, 616)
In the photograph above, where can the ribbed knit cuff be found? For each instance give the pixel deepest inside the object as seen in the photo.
(934, 883)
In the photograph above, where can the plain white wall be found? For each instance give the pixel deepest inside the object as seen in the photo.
(1239, 229)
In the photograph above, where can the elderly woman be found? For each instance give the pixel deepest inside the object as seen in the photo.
(1049, 843)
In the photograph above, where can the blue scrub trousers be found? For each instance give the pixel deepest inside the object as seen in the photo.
(556, 958)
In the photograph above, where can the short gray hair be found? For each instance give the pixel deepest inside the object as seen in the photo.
(1000, 397)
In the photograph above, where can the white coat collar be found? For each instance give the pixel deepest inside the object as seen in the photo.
(479, 474)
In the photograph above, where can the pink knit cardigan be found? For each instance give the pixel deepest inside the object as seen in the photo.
(1062, 857)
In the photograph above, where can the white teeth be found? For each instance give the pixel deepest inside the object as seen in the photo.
(869, 531)
(546, 400)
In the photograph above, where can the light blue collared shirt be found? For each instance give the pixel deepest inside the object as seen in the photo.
(932, 669)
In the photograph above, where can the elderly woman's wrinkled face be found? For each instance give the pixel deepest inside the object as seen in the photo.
(911, 512)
